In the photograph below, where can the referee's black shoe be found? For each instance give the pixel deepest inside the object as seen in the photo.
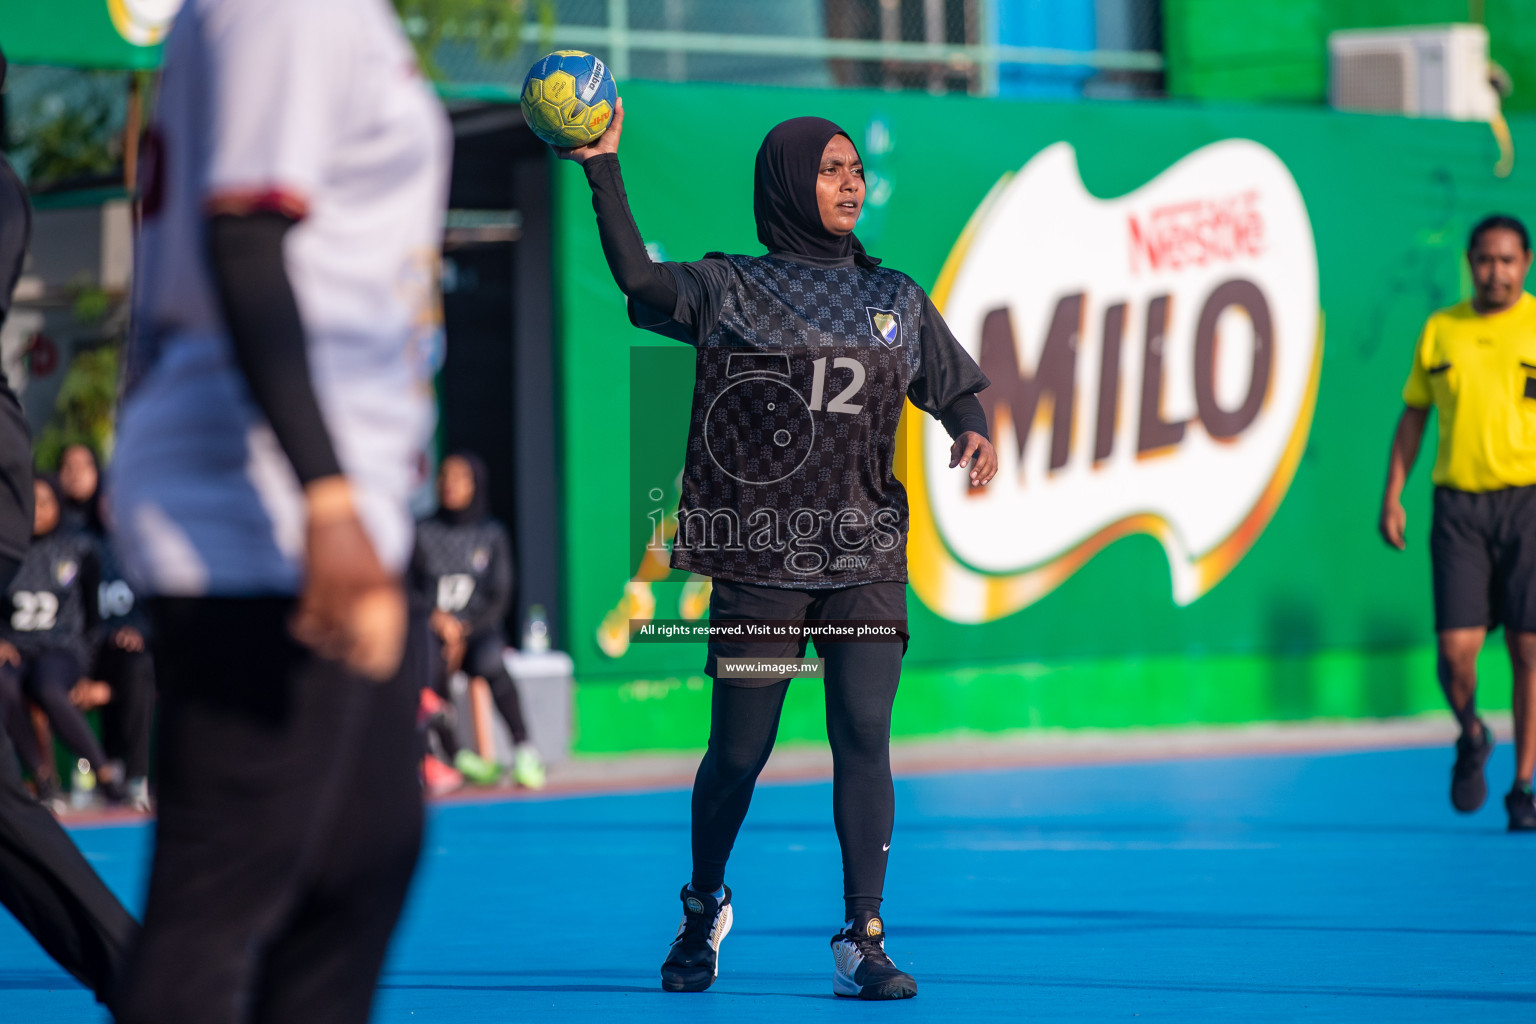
(1521, 805)
(693, 962)
(860, 968)
(1469, 788)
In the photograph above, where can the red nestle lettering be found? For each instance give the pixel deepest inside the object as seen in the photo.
(1196, 233)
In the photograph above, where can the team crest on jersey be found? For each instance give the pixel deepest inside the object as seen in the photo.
(480, 559)
(885, 325)
(65, 571)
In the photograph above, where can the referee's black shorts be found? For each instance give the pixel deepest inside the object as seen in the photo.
(1482, 548)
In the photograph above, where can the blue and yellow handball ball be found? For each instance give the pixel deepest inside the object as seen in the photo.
(569, 98)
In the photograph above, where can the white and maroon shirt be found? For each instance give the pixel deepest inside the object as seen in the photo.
(316, 109)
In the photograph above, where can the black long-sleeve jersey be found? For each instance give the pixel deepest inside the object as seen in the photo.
(804, 365)
(802, 373)
(117, 605)
(464, 570)
(53, 599)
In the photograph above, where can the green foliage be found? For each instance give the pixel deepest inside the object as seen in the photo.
(83, 411)
(76, 142)
(494, 26)
(92, 304)
(65, 124)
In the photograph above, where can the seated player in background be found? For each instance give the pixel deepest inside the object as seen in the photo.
(1475, 364)
(80, 489)
(462, 569)
(45, 644)
(120, 657)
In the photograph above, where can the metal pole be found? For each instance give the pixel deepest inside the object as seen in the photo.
(676, 60)
(890, 32)
(986, 35)
(618, 38)
(933, 25)
(801, 48)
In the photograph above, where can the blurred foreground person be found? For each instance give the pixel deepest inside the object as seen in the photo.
(1476, 366)
(462, 569)
(44, 880)
(278, 402)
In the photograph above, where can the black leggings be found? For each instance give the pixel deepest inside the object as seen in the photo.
(46, 677)
(482, 660)
(861, 688)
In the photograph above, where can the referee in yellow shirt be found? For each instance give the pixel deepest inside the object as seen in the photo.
(1476, 364)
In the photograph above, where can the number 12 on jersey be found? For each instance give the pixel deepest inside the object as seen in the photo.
(819, 382)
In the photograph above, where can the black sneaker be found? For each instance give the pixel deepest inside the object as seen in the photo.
(693, 962)
(1521, 805)
(1468, 786)
(860, 967)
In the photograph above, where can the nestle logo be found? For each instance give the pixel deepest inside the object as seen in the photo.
(1197, 233)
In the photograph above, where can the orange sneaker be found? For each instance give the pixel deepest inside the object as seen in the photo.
(438, 778)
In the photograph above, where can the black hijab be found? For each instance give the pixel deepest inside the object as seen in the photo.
(479, 507)
(784, 193)
(52, 483)
(85, 515)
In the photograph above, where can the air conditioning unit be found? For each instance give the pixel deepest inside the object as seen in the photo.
(1433, 71)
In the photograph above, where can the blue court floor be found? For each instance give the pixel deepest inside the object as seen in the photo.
(1323, 887)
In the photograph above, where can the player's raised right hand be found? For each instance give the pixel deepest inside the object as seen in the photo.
(351, 609)
(608, 142)
(1394, 524)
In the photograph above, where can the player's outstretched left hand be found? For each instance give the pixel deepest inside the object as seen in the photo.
(608, 142)
(351, 609)
(973, 450)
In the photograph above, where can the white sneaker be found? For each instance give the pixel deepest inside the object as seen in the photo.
(860, 968)
(693, 961)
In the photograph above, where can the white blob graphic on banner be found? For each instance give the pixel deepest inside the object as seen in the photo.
(1154, 362)
(143, 22)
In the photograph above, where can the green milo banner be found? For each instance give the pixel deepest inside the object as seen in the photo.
(1197, 322)
(86, 33)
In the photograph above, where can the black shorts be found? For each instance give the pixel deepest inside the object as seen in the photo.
(748, 602)
(1482, 547)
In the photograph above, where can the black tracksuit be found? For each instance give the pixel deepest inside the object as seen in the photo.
(52, 623)
(128, 719)
(462, 565)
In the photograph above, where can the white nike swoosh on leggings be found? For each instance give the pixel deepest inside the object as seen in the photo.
(884, 848)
